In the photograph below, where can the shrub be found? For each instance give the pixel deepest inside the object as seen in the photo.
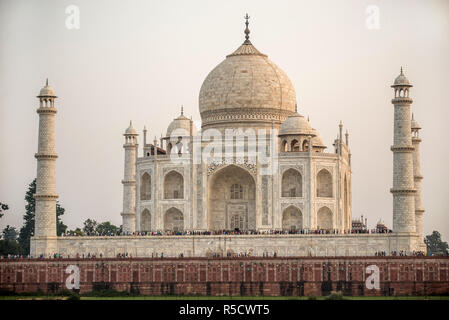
(335, 296)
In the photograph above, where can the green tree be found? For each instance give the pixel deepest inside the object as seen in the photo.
(105, 227)
(3, 207)
(77, 232)
(27, 230)
(90, 226)
(10, 233)
(9, 247)
(435, 245)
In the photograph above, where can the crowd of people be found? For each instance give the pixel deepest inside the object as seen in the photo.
(227, 232)
(229, 254)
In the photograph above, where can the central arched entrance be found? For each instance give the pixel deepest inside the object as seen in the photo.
(232, 200)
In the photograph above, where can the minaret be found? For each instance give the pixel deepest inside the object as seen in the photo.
(129, 180)
(403, 186)
(417, 176)
(44, 240)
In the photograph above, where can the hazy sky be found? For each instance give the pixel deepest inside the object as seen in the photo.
(141, 60)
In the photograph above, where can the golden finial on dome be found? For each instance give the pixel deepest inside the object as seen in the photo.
(247, 29)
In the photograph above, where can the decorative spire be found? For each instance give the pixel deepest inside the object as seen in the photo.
(401, 72)
(296, 106)
(247, 29)
(413, 118)
(182, 110)
(46, 83)
(144, 128)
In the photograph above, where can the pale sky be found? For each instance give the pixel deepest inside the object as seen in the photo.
(142, 60)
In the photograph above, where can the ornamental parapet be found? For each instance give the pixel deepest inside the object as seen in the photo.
(403, 191)
(402, 100)
(46, 156)
(402, 148)
(130, 145)
(47, 110)
(127, 214)
(45, 196)
(418, 177)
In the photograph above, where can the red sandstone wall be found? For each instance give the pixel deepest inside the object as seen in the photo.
(236, 276)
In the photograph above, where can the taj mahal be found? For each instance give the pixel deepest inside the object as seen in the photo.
(255, 178)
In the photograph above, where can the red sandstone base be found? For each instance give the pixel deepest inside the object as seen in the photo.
(250, 276)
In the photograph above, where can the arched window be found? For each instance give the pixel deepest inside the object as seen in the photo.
(145, 187)
(324, 184)
(324, 219)
(295, 145)
(236, 191)
(305, 145)
(173, 220)
(291, 183)
(173, 185)
(169, 147)
(284, 146)
(145, 220)
(292, 219)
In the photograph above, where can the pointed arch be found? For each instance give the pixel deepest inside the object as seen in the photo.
(305, 145)
(324, 186)
(145, 187)
(173, 220)
(292, 218)
(291, 183)
(324, 219)
(284, 146)
(173, 185)
(145, 220)
(294, 145)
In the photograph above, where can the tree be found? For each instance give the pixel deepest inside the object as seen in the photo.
(77, 232)
(435, 245)
(9, 247)
(10, 233)
(90, 227)
(27, 230)
(3, 207)
(105, 228)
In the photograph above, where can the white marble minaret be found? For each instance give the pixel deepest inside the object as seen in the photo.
(403, 185)
(44, 240)
(129, 180)
(417, 175)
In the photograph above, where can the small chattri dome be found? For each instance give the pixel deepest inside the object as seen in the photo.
(180, 126)
(296, 124)
(47, 91)
(401, 80)
(317, 141)
(415, 125)
(131, 130)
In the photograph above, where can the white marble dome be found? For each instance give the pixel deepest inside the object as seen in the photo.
(296, 124)
(246, 87)
(130, 130)
(47, 91)
(401, 80)
(180, 127)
